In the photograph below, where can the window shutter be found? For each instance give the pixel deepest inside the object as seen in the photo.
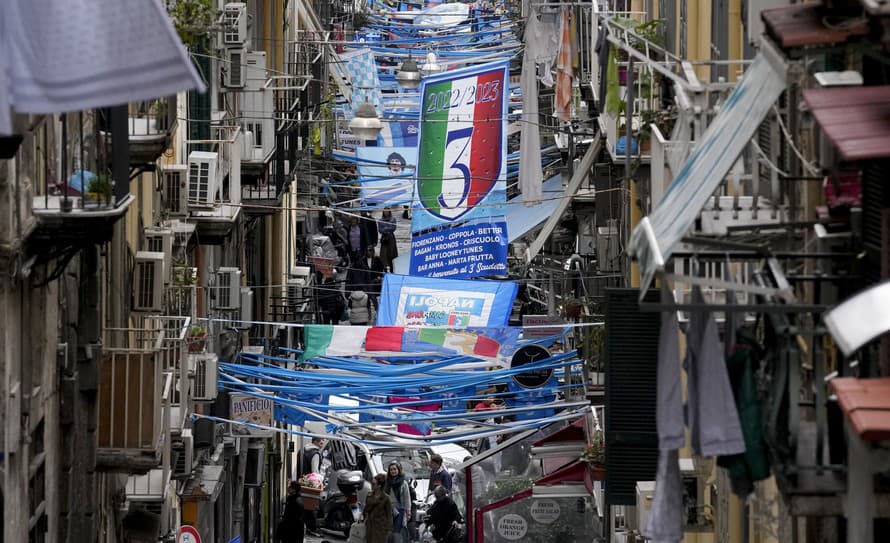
(631, 355)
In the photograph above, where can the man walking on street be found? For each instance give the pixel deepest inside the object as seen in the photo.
(439, 476)
(311, 463)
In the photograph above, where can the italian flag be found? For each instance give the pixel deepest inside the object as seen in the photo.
(460, 147)
(329, 340)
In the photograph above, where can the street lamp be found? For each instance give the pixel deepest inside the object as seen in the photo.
(366, 124)
(409, 74)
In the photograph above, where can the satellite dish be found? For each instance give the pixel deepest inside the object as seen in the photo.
(527, 355)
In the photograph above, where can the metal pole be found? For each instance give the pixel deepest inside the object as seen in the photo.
(626, 189)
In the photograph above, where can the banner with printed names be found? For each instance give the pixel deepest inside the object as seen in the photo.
(458, 206)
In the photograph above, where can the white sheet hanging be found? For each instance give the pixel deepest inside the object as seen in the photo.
(71, 55)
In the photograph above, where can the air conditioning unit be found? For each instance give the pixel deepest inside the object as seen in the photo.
(228, 289)
(645, 494)
(607, 249)
(148, 282)
(174, 179)
(204, 389)
(185, 461)
(234, 69)
(246, 306)
(160, 240)
(255, 70)
(202, 181)
(235, 24)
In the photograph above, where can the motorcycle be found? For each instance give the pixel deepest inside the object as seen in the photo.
(342, 506)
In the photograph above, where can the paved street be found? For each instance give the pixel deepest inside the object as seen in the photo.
(323, 538)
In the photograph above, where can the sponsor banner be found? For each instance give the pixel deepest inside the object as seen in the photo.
(426, 301)
(252, 410)
(476, 249)
(386, 174)
(463, 144)
(541, 320)
(394, 134)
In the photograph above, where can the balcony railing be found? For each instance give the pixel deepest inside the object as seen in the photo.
(134, 394)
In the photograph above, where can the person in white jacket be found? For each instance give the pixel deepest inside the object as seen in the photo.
(361, 311)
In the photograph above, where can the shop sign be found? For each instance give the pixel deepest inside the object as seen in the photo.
(512, 527)
(545, 511)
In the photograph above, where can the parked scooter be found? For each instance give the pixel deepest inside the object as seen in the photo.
(346, 492)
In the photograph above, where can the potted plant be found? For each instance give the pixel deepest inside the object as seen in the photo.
(194, 20)
(100, 188)
(664, 119)
(196, 339)
(310, 490)
(595, 451)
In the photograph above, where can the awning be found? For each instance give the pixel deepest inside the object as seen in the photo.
(148, 487)
(572, 432)
(521, 218)
(855, 119)
(659, 234)
(205, 485)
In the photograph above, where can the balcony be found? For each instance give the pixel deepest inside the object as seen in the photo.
(151, 126)
(135, 393)
(80, 206)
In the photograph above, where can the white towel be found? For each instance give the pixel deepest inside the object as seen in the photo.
(71, 55)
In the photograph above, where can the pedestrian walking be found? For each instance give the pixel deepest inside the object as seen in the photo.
(378, 512)
(311, 463)
(439, 476)
(290, 527)
(400, 494)
(443, 513)
(388, 249)
(361, 311)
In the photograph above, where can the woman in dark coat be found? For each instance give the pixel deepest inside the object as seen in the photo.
(378, 512)
(290, 528)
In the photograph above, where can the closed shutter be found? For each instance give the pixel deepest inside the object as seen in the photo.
(631, 355)
(875, 234)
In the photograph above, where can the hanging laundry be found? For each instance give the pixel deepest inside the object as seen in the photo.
(531, 177)
(669, 396)
(665, 521)
(564, 71)
(711, 412)
(745, 469)
(71, 55)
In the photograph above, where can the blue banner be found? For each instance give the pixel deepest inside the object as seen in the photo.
(475, 249)
(386, 174)
(426, 301)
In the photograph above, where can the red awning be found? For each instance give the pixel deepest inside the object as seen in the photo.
(867, 404)
(804, 24)
(855, 119)
(576, 472)
(572, 432)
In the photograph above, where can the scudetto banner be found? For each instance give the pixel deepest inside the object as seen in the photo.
(461, 174)
(424, 301)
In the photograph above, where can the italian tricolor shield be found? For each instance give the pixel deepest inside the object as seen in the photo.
(462, 142)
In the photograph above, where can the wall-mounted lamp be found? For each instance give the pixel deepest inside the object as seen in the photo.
(366, 124)
(432, 65)
(408, 75)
